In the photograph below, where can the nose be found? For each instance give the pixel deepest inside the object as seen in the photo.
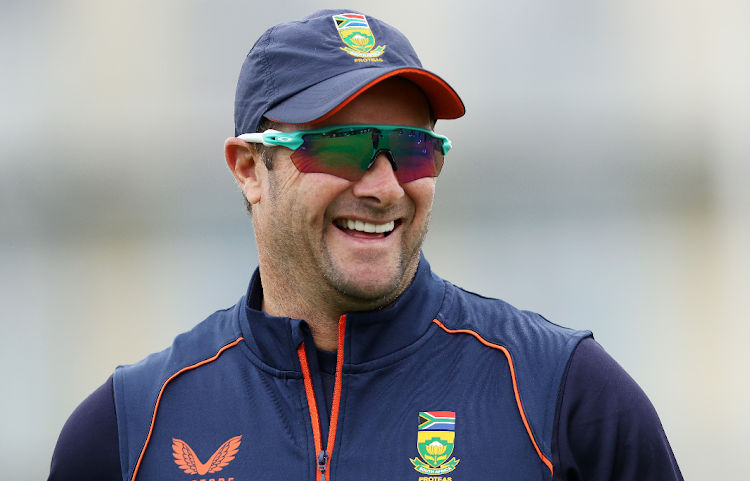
(380, 183)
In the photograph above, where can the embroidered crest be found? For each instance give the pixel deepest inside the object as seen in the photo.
(356, 34)
(188, 461)
(435, 440)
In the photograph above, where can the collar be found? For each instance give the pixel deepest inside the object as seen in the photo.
(370, 335)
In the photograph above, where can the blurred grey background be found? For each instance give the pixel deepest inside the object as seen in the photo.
(599, 178)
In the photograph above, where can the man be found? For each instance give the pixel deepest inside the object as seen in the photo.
(347, 358)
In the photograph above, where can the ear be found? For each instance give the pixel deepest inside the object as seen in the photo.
(244, 161)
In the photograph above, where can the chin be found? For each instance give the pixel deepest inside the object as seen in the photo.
(372, 285)
(367, 287)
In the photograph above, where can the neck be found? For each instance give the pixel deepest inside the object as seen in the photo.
(322, 320)
(286, 296)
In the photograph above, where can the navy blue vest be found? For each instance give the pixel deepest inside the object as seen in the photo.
(444, 385)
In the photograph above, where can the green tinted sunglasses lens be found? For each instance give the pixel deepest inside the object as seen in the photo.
(416, 154)
(348, 153)
(343, 154)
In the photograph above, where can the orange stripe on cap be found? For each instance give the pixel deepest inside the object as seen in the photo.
(161, 391)
(445, 102)
(515, 384)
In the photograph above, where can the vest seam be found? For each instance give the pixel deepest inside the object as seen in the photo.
(516, 391)
(161, 392)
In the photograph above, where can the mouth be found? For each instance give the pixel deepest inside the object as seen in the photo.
(366, 229)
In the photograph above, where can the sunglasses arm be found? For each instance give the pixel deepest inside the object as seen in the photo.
(293, 140)
(265, 138)
(446, 145)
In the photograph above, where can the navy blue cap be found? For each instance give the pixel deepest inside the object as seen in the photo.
(304, 71)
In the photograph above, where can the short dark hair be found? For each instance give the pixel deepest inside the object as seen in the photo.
(266, 154)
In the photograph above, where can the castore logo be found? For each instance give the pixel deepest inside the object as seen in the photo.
(188, 461)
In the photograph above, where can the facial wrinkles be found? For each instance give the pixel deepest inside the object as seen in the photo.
(298, 240)
(290, 250)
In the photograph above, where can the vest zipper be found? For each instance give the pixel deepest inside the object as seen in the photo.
(322, 460)
(324, 456)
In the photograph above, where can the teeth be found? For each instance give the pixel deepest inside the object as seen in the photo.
(366, 226)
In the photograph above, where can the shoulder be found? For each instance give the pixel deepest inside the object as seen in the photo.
(88, 447)
(523, 333)
(606, 424)
(141, 382)
(200, 343)
(138, 387)
(537, 350)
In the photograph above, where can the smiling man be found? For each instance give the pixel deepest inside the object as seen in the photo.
(328, 245)
(348, 358)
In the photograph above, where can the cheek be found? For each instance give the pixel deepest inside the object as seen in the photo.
(319, 191)
(422, 193)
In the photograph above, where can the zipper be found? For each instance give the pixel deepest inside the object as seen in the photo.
(322, 461)
(324, 455)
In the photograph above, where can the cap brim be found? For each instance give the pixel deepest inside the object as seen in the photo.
(325, 98)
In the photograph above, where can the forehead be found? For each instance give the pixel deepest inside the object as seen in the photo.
(394, 101)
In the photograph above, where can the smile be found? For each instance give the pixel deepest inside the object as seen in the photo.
(358, 225)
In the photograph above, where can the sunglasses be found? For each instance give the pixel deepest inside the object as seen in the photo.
(347, 151)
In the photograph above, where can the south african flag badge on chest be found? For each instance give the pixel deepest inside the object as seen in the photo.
(436, 436)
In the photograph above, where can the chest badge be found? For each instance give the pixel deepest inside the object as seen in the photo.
(188, 461)
(436, 435)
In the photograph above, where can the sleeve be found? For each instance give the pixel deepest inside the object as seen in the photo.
(606, 428)
(88, 446)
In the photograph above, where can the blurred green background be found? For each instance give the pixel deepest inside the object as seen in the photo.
(599, 177)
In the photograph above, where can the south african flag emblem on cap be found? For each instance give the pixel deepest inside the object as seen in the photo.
(436, 435)
(356, 34)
